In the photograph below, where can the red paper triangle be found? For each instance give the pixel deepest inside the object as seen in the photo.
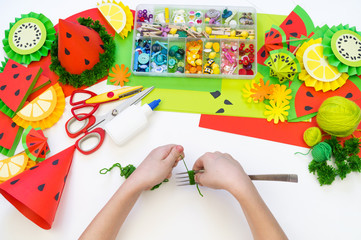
(36, 192)
(78, 47)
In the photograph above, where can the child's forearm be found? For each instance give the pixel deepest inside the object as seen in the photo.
(260, 219)
(109, 220)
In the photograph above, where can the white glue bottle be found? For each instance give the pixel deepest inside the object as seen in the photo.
(130, 122)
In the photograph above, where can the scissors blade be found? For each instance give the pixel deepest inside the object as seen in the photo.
(113, 113)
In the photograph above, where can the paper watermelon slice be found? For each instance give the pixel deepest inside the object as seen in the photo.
(10, 135)
(16, 83)
(35, 144)
(36, 192)
(306, 101)
(275, 38)
(79, 47)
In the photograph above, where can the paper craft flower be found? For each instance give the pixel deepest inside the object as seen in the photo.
(281, 94)
(35, 144)
(246, 91)
(283, 65)
(118, 16)
(342, 47)
(261, 91)
(316, 71)
(120, 75)
(29, 38)
(276, 111)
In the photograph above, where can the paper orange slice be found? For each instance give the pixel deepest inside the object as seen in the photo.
(12, 166)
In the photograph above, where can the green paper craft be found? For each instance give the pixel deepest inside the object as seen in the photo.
(16, 83)
(10, 135)
(35, 144)
(3, 64)
(29, 38)
(342, 46)
(89, 76)
(40, 83)
(283, 64)
(306, 100)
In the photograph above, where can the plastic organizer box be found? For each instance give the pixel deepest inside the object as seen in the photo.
(195, 41)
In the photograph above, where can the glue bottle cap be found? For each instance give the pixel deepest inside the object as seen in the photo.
(154, 104)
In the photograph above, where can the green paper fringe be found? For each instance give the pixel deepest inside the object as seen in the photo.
(43, 51)
(10, 152)
(99, 70)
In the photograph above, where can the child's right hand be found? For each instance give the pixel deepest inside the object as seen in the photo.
(221, 171)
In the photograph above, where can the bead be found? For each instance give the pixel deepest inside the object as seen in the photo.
(242, 45)
(208, 30)
(216, 47)
(216, 71)
(180, 69)
(173, 31)
(181, 51)
(208, 45)
(143, 58)
(233, 23)
(172, 62)
(215, 65)
(156, 47)
(180, 64)
(233, 33)
(251, 46)
(248, 66)
(244, 34)
(199, 62)
(212, 55)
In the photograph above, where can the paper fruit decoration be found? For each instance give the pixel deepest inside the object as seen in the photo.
(118, 16)
(316, 71)
(306, 101)
(12, 166)
(10, 135)
(283, 65)
(44, 111)
(82, 53)
(342, 47)
(29, 38)
(16, 83)
(35, 144)
(297, 24)
(36, 192)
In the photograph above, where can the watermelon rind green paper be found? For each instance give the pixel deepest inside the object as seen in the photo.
(10, 152)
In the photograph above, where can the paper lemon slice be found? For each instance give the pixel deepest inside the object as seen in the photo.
(12, 166)
(44, 111)
(316, 71)
(118, 16)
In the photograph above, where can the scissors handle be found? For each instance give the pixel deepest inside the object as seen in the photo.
(82, 116)
(92, 94)
(97, 133)
(83, 129)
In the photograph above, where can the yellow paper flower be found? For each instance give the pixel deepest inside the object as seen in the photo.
(281, 94)
(276, 111)
(262, 90)
(247, 91)
(120, 75)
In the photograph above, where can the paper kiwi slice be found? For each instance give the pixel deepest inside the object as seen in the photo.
(346, 45)
(29, 38)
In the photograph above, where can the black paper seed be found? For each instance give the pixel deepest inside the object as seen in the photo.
(41, 187)
(3, 87)
(42, 152)
(215, 94)
(86, 62)
(57, 197)
(67, 52)
(86, 38)
(28, 77)
(308, 108)
(14, 66)
(65, 178)
(37, 150)
(227, 102)
(289, 22)
(221, 110)
(33, 167)
(271, 33)
(16, 76)
(349, 95)
(15, 181)
(55, 162)
(263, 54)
(17, 92)
(31, 144)
(294, 34)
(13, 124)
(1, 135)
(68, 35)
(102, 47)
(277, 35)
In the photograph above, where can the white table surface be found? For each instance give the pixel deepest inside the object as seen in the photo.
(304, 210)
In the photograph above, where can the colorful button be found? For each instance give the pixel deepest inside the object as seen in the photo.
(143, 58)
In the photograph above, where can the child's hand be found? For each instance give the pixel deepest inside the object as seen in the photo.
(221, 171)
(157, 166)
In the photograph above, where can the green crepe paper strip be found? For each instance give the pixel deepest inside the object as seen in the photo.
(328, 51)
(99, 70)
(28, 153)
(3, 64)
(10, 152)
(43, 51)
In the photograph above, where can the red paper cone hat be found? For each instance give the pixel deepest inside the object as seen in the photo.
(36, 192)
(78, 47)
